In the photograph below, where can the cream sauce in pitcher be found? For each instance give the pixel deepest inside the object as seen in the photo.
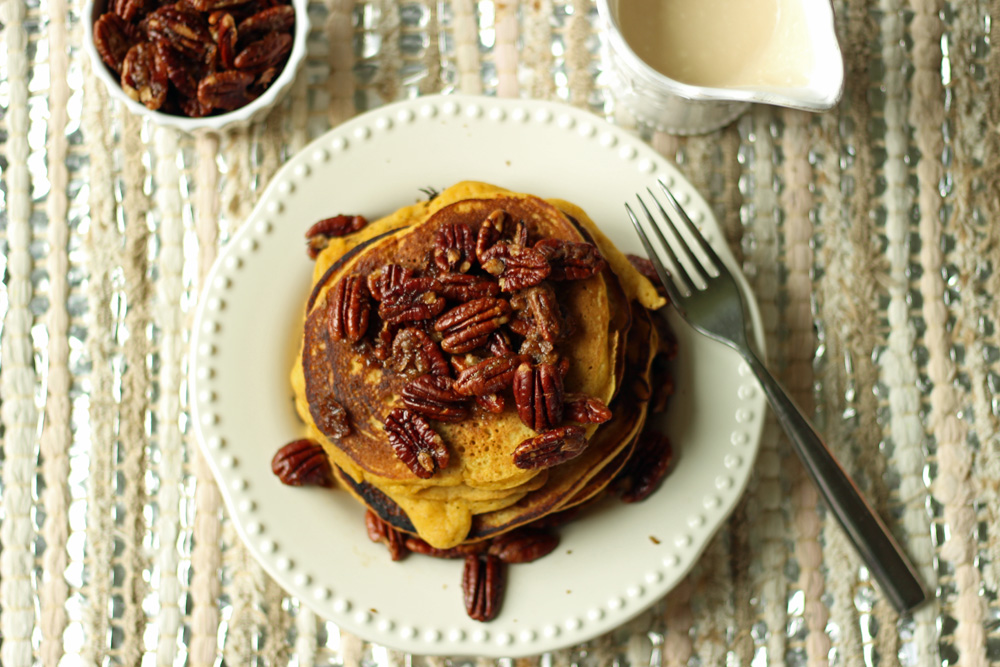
(720, 43)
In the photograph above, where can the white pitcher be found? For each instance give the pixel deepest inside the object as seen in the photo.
(815, 62)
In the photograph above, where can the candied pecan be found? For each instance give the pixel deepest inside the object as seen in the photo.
(212, 5)
(225, 90)
(569, 260)
(192, 108)
(183, 72)
(646, 268)
(538, 394)
(538, 349)
(347, 314)
(380, 531)
(550, 448)
(184, 29)
(414, 299)
(129, 9)
(280, 18)
(647, 468)
(539, 313)
(386, 279)
(514, 266)
(144, 76)
(382, 348)
(222, 25)
(339, 225)
(268, 51)
(585, 410)
(491, 403)
(432, 396)
(482, 586)
(454, 247)
(415, 443)
(302, 463)
(469, 325)
(499, 345)
(523, 545)
(332, 418)
(414, 349)
(113, 39)
(463, 287)
(491, 231)
(418, 546)
(488, 376)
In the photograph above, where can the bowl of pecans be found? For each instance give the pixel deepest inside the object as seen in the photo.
(197, 64)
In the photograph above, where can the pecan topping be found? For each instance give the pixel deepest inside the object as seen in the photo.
(585, 410)
(302, 463)
(488, 376)
(414, 299)
(550, 448)
(491, 231)
(184, 29)
(499, 345)
(462, 287)
(144, 76)
(265, 52)
(222, 25)
(347, 314)
(129, 9)
(571, 261)
(647, 468)
(523, 545)
(333, 419)
(386, 279)
(539, 313)
(225, 90)
(380, 531)
(469, 325)
(515, 267)
(454, 248)
(339, 225)
(183, 72)
(538, 393)
(432, 396)
(113, 39)
(212, 5)
(415, 443)
(491, 403)
(482, 586)
(414, 350)
(280, 18)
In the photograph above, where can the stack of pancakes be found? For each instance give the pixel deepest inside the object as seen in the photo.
(480, 492)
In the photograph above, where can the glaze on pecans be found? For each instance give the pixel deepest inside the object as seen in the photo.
(415, 443)
(302, 463)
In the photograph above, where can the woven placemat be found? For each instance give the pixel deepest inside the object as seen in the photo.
(871, 235)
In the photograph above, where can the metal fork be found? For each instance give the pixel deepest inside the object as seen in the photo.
(707, 296)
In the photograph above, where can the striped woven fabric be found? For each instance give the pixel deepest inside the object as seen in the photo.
(870, 234)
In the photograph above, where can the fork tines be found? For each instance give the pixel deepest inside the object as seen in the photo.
(690, 271)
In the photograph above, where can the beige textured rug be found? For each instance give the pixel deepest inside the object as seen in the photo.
(871, 235)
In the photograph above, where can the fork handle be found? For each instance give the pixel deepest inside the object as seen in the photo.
(882, 555)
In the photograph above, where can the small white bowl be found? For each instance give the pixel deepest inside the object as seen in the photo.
(93, 9)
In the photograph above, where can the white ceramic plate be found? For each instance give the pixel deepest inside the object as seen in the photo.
(608, 568)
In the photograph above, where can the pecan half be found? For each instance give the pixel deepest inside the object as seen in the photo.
(183, 72)
(320, 233)
(415, 443)
(113, 39)
(418, 546)
(539, 314)
(302, 463)
(380, 531)
(349, 309)
(414, 299)
(462, 287)
(414, 351)
(491, 231)
(538, 394)
(469, 325)
(225, 90)
(585, 410)
(184, 29)
(550, 448)
(222, 25)
(454, 247)
(280, 18)
(332, 420)
(494, 403)
(129, 9)
(433, 397)
(212, 5)
(386, 279)
(514, 266)
(499, 345)
(144, 76)
(523, 545)
(483, 580)
(488, 376)
(569, 260)
(268, 51)
(647, 468)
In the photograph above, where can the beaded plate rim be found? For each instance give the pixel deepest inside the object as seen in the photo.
(255, 500)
